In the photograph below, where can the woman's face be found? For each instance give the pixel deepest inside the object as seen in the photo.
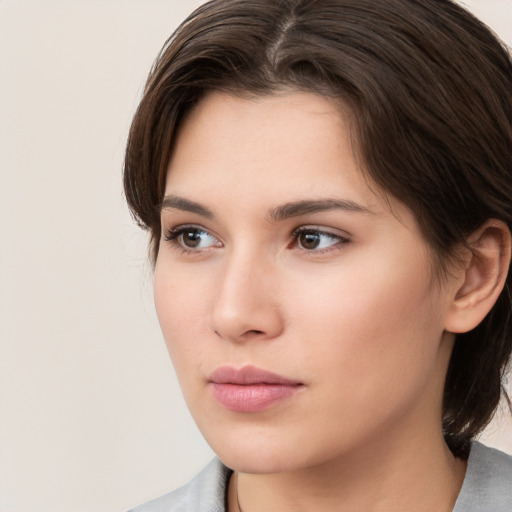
(296, 300)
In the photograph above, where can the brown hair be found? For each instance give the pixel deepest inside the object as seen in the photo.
(430, 88)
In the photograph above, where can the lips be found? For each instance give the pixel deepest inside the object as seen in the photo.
(250, 389)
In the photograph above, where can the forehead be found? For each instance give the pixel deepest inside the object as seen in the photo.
(297, 138)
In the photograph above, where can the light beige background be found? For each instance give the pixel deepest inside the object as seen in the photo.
(91, 418)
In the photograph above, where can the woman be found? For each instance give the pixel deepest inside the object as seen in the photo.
(327, 186)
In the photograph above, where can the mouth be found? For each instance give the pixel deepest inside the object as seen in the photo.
(250, 389)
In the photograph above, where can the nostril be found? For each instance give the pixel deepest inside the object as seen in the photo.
(245, 335)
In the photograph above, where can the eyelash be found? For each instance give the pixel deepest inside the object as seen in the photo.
(339, 241)
(173, 236)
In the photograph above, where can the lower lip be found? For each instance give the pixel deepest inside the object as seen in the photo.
(252, 397)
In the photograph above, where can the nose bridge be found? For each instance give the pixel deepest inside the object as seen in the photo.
(245, 306)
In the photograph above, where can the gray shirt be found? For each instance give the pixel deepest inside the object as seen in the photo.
(487, 487)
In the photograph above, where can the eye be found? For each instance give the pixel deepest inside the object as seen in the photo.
(312, 239)
(191, 238)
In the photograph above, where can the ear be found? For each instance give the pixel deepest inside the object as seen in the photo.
(483, 277)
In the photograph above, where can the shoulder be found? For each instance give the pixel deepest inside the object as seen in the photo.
(205, 492)
(488, 481)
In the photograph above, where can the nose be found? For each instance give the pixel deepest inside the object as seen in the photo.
(246, 306)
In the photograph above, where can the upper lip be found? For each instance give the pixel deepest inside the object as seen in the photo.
(248, 375)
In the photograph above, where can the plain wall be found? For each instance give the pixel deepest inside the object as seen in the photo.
(91, 418)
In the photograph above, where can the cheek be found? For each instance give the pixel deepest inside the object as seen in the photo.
(375, 319)
(180, 307)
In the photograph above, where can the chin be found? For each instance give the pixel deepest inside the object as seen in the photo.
(264, 451)
(253, 452)
(258, 461)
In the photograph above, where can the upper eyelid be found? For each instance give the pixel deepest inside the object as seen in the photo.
(179, 229)
(174, 237)
(324, 230)
(320, 232)
(334, 232)
(187, 225)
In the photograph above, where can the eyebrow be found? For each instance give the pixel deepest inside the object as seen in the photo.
(285, 211)
(298, 208)
(172, 202)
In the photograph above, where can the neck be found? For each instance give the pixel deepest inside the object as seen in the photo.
(378, 478)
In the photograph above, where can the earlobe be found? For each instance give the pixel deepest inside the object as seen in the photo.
(485, 271)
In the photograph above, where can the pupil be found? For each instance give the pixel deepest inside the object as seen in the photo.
(309, 240)
(191, 238)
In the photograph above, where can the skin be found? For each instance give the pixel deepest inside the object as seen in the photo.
(360, 320)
